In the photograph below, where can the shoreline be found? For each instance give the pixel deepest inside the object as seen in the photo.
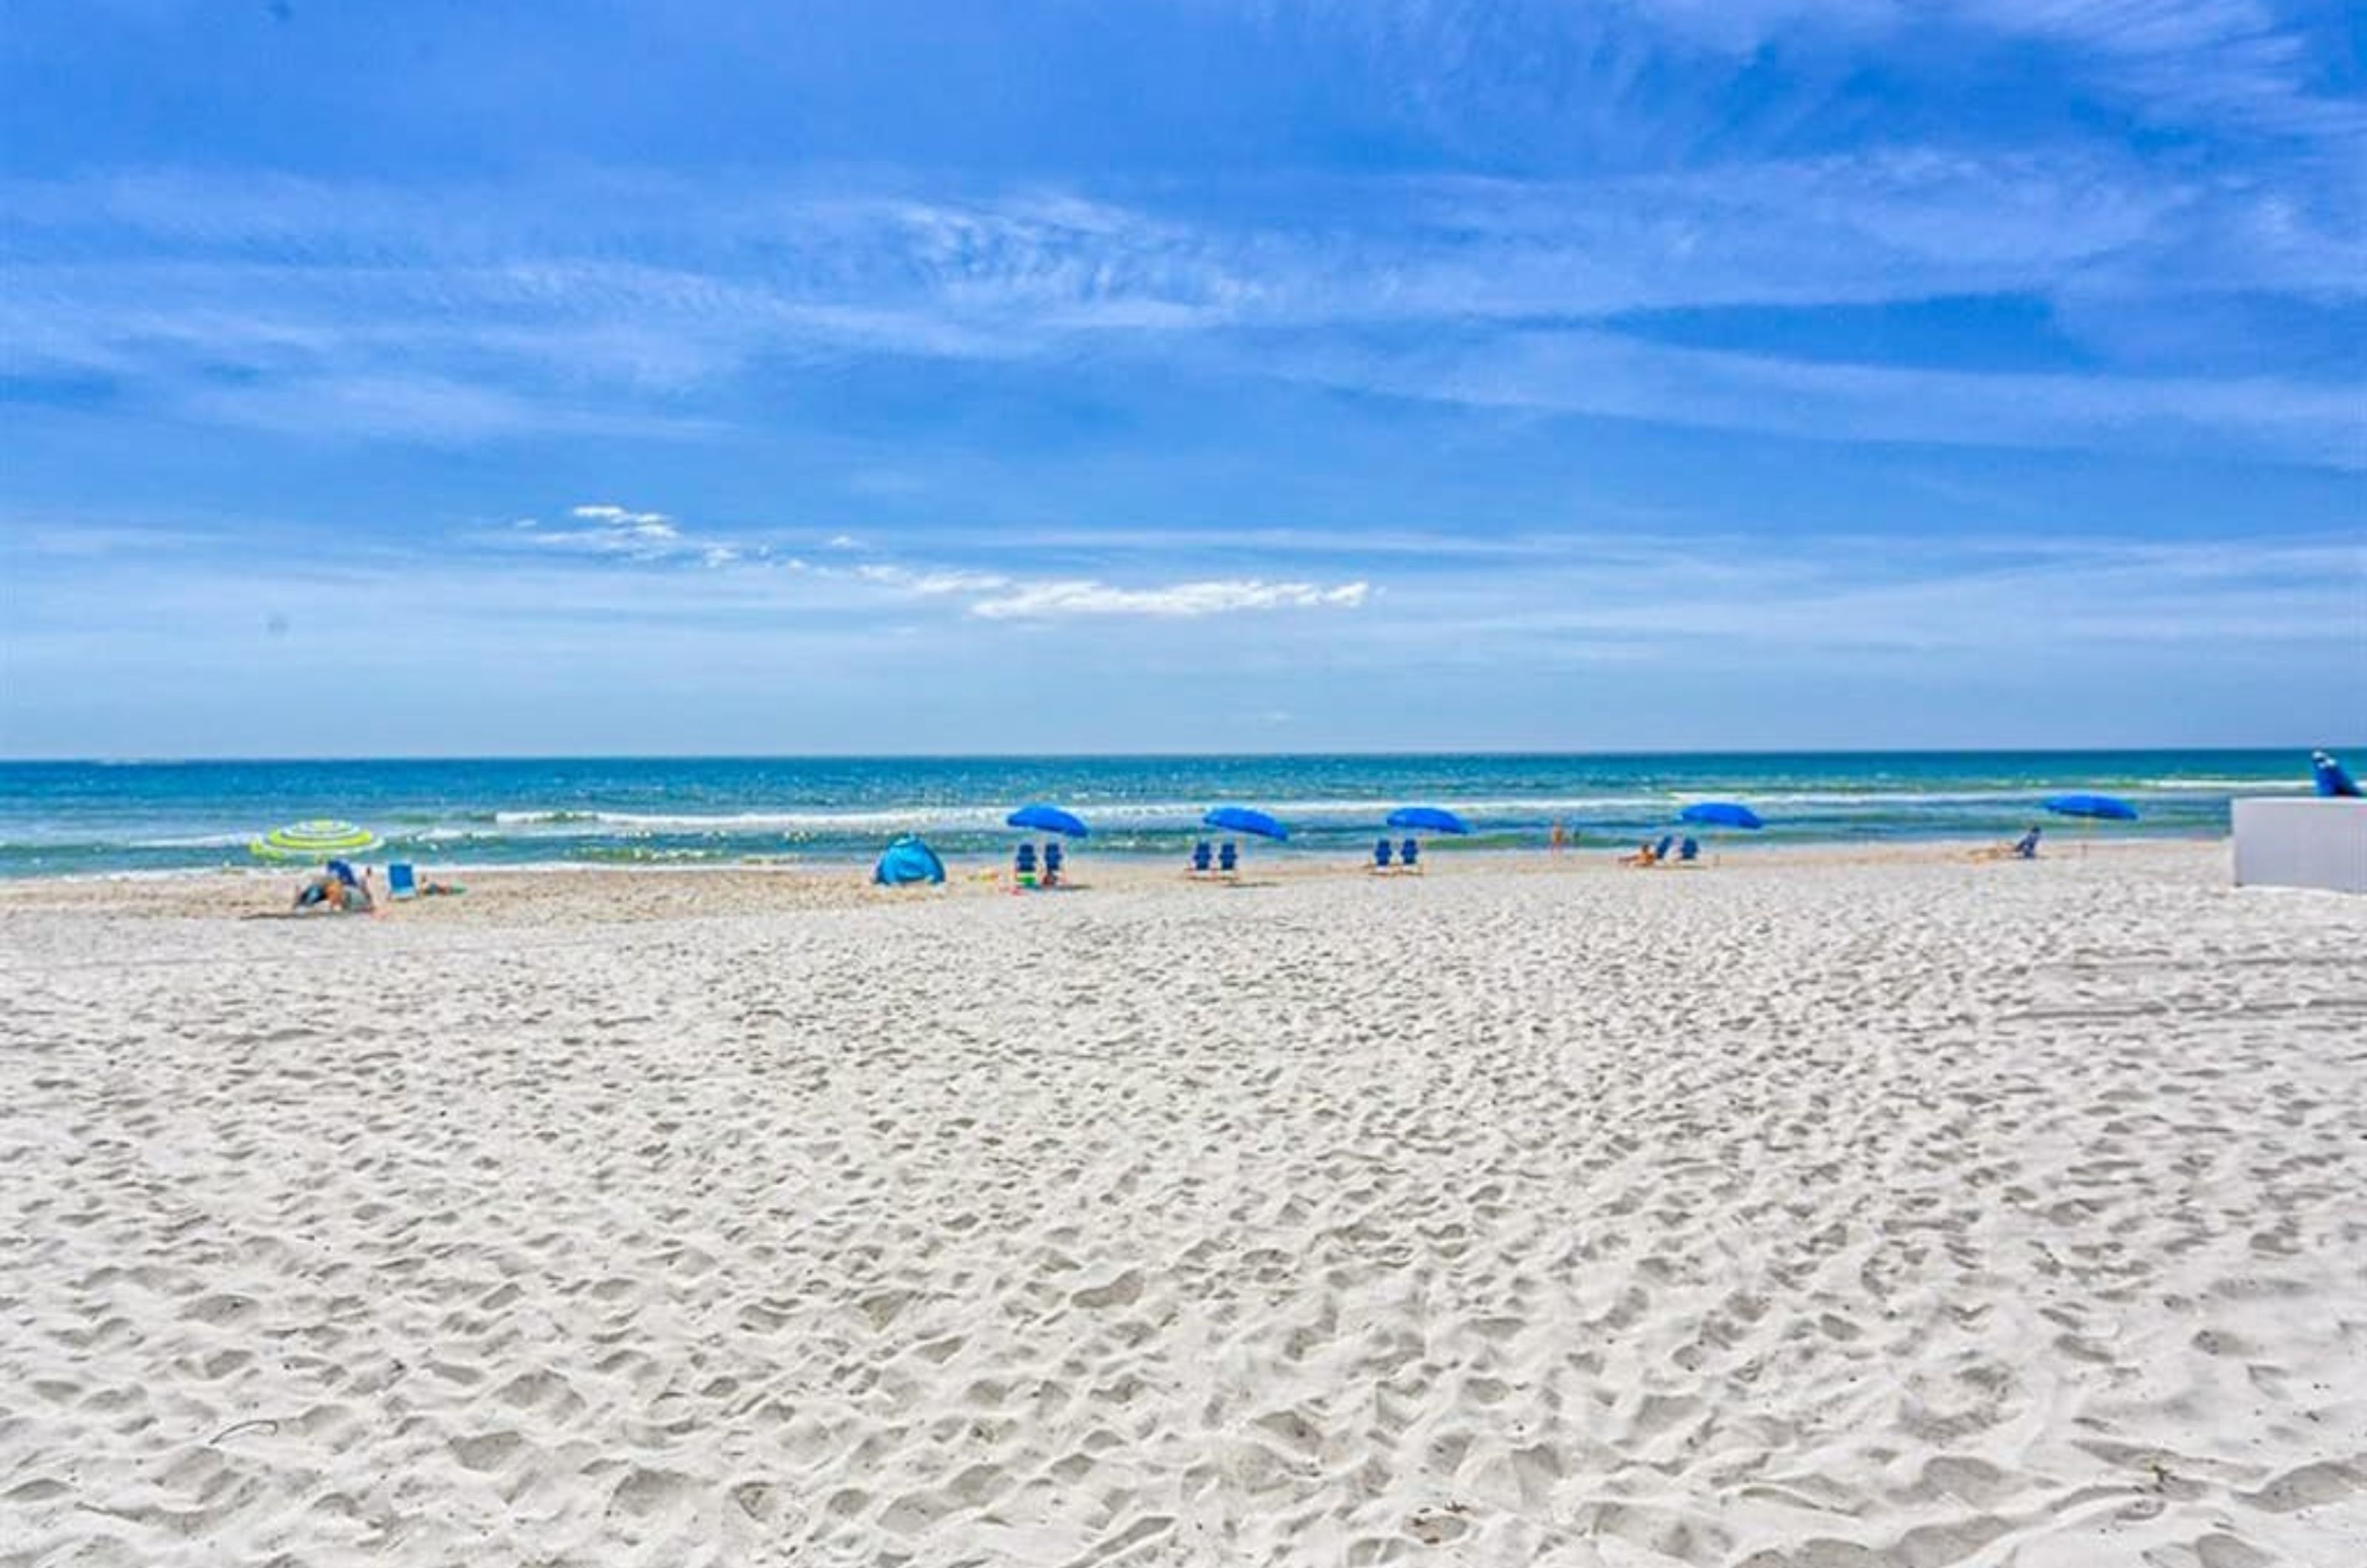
(963, 865)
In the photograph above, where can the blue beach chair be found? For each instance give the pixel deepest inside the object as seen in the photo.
(1053, 860)
(2026, 846)
(1409, 854)
(1023, 864)
(1200, 858)
(1381, 855)
(1228, 858)
(1689, 851)
(401, 881)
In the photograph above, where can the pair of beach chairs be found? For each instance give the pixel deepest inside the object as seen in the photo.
(1024, 866)
(1668, 851)
(1223, 861)
(1408, 857)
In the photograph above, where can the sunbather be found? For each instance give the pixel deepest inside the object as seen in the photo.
(1649, 854)
(331, 894)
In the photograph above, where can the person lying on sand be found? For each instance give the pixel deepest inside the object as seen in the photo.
(1644, 855)
(331, 894)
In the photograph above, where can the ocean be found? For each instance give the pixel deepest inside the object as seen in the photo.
(70, 819)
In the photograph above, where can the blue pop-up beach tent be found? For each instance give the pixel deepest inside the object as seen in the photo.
(908, 860)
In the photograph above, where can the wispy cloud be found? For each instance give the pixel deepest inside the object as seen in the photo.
(1181, 601)
(1598, 373)
(1002, 596)
(603, 528)
(481, 314)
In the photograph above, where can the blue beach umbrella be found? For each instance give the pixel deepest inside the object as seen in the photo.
(1428, 819)
(2104, 807)
(1721, 814)
(320, 840)
(1039, 817)
(1242, 819)
(2334, 780)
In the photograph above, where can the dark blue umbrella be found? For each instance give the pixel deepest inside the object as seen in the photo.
(2333, 779)
(1044, 818)
(1242, 819)
(1428, 819)
(1720, 814)
(2099, 805)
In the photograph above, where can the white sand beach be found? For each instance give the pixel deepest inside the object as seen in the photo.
(1789, 1213)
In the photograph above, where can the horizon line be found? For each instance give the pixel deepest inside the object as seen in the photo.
(1606, 752)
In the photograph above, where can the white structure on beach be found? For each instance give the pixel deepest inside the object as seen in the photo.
(2309, 842)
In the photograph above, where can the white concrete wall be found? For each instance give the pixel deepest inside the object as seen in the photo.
(2308, 842)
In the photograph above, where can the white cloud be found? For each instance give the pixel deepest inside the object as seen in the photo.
(931, 584)
(613, 530)
(651, 527)
(1045, 601)
(1001, 597)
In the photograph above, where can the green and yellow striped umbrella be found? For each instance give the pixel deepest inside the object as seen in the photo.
(320, 839)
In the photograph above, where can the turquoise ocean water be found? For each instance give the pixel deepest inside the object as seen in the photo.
(65, 818)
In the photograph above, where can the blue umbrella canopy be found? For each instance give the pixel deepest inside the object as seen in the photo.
(2333, 779)
(1242, 819)
(1721, 814)
(1042, 819)
(1428, 819)
(2101, 805)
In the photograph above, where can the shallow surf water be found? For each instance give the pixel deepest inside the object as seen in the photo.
(62, 818)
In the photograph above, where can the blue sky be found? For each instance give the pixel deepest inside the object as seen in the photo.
(1182, 376)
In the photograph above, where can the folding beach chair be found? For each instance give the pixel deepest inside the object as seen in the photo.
(1409, 854)
(1053, 860)
(1023, 864)
(1381, 852)
(1200, 858)
(1689, 851)
(1228, 858)
(401, 881)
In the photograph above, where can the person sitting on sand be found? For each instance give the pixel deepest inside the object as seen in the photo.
(1644, 855)
(2023, 848)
